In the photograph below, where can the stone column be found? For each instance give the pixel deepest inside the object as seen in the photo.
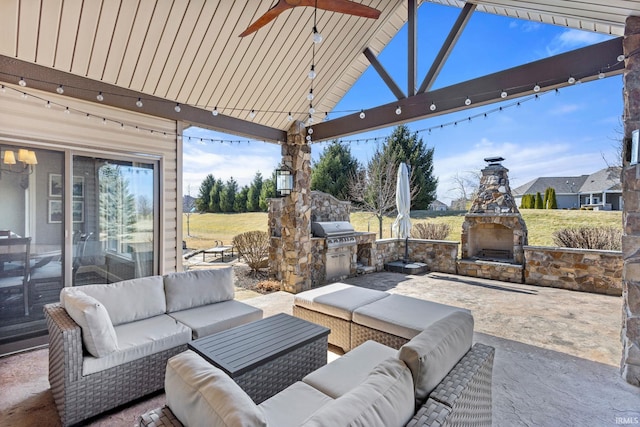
(630, 364)
(296, 213)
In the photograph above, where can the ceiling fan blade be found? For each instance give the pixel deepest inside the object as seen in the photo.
(269, 16)
(349, 7)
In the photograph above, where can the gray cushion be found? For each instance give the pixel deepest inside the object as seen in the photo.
(293, 405)
(130, 300)
(402, 316)
(212, 318)
(384, 399)
(346, 372)
(434, 352)
(98, 335)
(198, 287)
(139, 339)
(199, 394)
(337, 299)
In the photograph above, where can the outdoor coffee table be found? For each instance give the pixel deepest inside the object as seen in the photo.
(266, 356)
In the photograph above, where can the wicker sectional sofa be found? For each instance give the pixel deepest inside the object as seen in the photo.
(436, 379)
(109, 344)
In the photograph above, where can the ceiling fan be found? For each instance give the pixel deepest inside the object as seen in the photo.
(340, 6)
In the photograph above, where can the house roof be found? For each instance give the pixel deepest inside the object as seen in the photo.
(607, 179)
(189, 52)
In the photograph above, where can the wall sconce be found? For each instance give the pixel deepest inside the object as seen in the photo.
(284, 182)
(26, 157)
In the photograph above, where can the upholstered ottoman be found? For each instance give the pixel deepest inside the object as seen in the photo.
(332, 306)
(396, 319)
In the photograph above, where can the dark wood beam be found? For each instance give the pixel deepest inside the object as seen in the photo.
(447, 46)
(583, 64)
(412, 35)
(391, 84)
(48, 79)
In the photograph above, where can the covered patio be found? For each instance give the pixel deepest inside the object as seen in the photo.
(102, 89)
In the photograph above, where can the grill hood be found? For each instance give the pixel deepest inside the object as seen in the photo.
(332, 229)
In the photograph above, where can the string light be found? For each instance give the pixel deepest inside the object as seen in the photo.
(289, 117)
(571, 80)
(317, 37)
(310, 95)
(536, 88)
(433, 107)
(66, 110)
(100, 97)
(177, 108)
(139, 103)
(398, 110)
(22, 82)
(362, 115)
(503, 94)
(252, 114)
(312, 72)
(214, 111)
(467, 101)
(60, 89)
(48, 104)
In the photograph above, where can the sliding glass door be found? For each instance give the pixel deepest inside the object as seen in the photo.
(69, 220)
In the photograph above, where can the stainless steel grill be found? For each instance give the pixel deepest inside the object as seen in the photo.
(340, 237)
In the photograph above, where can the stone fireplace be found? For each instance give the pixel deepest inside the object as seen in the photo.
(493, 229)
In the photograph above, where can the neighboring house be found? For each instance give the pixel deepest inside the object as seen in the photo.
(600, 190)
(188, 204)
(437, 205)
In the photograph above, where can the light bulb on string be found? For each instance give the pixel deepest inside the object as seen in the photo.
(503, 94)
(214, 111)
(467, 101)
(289, 117)
(571, 80)
(60, 89)
(310, 95)
(432, 107)
(177, 108)
(252, 114)
(312, 72)
(311, 109)
(3, 89)
(310, 120)
(310, 131)
(601, 75)
(22, 82)
(398, 110)
(100, 97)
(308, 138)
(621, 58)
(362, 115)
(317, 37)
(536, 88)
(139, 103)
(48, 104)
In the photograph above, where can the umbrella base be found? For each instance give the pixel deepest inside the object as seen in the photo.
(408, 267)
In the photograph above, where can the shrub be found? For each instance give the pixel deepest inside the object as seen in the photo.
(539, 203)
(430, 231)
(253, 247)
(604, 238)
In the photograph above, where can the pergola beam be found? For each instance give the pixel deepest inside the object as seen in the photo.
(550, 73)
(47, 79)
(391, 84)
(411, 46)
(447, 46)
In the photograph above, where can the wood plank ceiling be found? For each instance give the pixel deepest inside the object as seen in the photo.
(189, 52)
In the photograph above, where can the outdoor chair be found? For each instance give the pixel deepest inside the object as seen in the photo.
(15, 270)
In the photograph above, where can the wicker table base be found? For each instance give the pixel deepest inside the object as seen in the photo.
(266, 356)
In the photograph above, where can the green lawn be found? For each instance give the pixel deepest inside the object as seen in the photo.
(205, 229)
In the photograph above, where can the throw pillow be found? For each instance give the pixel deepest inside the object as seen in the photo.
(98, 334)
(199, 394)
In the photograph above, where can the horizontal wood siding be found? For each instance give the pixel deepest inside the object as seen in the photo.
(28, 120)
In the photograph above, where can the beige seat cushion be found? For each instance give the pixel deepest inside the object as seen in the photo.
(337, 299)
(345, 373)
(384, 399)
(402, 316)
(432, 353)
(98, 334)
(293, 405)
(198, 287)
(212, 318)
(199, 394)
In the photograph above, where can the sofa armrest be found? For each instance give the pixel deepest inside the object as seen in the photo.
(65, 346)
(463, 398)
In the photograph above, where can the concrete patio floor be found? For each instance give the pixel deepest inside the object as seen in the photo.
(557, 351)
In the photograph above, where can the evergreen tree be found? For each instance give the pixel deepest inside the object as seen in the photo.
(253, 196)
(240, 202)
(214, 196)
(539, 204)
(204, 195)
(553, 202)
(117, 204)
(404, 146)
(333, 170)
(228, 196)
(268, 191)
(545, 201)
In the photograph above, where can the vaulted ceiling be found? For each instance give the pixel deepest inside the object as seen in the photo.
(190, 52)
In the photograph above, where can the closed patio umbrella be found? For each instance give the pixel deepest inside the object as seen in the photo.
(402, 224)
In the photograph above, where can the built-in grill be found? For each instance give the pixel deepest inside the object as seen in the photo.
(340, 239)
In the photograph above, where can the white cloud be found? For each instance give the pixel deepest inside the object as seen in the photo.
(573, 39)
(566, 109)
(525, 163)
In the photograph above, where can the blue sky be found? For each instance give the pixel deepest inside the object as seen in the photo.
(572, 132)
